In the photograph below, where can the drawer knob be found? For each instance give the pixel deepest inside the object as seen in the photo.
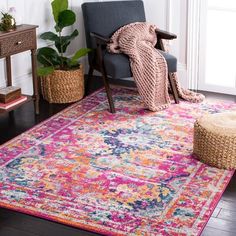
(19, 43)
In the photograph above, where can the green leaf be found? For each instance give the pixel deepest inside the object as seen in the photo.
(62, 44)
(66, 62)
(65, 18)
(82, 52)
(44, 71)
(48, 57)
(49, 36)
(57, 7)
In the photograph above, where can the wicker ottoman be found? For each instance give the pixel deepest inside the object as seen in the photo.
(215, 140)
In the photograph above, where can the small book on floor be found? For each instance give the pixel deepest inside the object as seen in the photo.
(5, 106)
(9, 94)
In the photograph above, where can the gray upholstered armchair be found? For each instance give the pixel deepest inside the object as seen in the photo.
(101, 20)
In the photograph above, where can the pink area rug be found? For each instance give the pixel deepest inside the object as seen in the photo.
(129, 173)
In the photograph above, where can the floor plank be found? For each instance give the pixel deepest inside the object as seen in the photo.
(228, 205)
(7, 231)
(229, 215)
(213, 232)
(216, 212)
(224, 225)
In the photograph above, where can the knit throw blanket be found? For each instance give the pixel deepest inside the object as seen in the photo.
(149, 67)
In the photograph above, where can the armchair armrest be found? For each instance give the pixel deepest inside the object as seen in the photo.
(100, 39)
(165, 35)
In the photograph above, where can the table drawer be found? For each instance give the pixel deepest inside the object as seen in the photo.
(17, 43)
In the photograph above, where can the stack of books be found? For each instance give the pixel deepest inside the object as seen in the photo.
(10, 97)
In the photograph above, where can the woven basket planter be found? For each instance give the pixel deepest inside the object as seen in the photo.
(63, 86)
(215, 140)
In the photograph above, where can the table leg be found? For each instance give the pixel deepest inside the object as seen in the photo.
(8, 66)
(35, 81)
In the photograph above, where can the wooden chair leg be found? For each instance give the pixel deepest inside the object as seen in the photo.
(104, 77)
(173, 88)
(109, 94)
(87, 82)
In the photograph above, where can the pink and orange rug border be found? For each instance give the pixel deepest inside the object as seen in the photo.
(82, 226)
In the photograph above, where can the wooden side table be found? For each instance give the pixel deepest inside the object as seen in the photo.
(23, 38)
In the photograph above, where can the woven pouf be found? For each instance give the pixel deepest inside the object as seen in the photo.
(215, 140)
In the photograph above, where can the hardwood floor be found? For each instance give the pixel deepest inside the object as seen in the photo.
(222, 222)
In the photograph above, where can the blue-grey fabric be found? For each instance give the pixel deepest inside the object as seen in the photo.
(118, 66)
(105, 18)
(171, 61)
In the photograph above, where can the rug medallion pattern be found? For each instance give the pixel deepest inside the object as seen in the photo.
(129, 173)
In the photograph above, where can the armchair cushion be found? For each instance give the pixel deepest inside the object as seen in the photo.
(171, 61)
(118, 66)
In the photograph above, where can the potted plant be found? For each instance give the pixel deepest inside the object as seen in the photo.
(62, 78)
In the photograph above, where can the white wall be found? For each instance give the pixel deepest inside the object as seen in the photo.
(166, 14)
